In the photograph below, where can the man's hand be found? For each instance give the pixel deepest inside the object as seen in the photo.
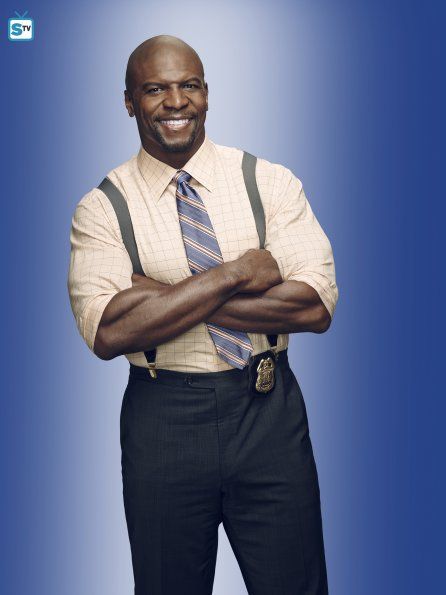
(257, 269)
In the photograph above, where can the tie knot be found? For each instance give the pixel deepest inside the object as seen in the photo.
(181, 176)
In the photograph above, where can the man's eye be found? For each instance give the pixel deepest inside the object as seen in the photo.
(153, 90)
(190, 85)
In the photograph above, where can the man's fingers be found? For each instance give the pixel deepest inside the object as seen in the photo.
(138, 279)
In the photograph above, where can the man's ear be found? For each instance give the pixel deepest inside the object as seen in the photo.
(129, 103)
(207, 92)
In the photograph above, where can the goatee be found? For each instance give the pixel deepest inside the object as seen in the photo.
(178, 146)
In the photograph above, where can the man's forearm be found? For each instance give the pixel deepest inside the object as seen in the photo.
(142, 317)
(291, 307)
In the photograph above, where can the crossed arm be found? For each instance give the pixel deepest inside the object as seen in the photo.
(290, 307)
(162, 311)
(249, 296)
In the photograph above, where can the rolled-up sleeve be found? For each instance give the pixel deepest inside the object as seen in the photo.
(297, 241)
(99, 263)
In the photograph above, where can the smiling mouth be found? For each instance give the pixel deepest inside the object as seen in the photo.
(175, 123)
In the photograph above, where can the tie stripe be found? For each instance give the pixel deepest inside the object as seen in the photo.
(203, 253)
(197, 267)
(218, 331)
(189, 201)
(231, 357)
(199, 226)
(218, 259)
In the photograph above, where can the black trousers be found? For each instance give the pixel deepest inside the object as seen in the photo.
(199, 450)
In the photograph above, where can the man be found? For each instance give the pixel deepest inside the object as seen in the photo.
(199, 447)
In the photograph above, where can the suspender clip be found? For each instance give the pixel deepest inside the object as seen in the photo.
(152, 369)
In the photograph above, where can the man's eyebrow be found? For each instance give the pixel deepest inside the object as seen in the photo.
(154, 83)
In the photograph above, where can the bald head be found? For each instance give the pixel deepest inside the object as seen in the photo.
(154, 46)
(167, 94)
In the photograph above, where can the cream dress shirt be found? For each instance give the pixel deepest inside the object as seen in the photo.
(100, 266)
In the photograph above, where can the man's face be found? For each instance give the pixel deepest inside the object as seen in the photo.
(169, 101)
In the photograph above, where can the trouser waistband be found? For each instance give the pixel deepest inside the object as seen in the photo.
(202, 379)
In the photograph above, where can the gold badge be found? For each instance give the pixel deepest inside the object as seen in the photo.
(265, 375)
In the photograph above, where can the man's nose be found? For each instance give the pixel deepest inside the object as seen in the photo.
(176, 99)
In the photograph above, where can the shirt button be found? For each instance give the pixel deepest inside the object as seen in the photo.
(189, 380)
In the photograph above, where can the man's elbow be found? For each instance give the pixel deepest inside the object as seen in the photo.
(323, 320)
(102, 345)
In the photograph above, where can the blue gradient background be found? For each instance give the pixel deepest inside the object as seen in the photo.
(345, 95)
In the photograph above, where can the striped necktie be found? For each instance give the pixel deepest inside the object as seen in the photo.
(203, 252)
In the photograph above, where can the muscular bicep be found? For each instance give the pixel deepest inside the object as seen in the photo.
(99, 264)
(299, 244)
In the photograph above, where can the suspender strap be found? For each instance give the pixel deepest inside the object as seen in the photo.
(249, 175)
(125, 224)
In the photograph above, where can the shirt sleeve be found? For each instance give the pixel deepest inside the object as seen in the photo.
(297, 241)
(100, 266)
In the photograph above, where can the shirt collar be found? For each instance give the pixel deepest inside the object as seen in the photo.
(158, 174)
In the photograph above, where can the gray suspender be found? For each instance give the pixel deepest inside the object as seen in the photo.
(249, 175)
(125, 224)
(124, 220)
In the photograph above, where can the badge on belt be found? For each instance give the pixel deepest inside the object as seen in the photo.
(262, 372)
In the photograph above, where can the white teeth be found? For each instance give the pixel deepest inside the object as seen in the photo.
(175, 122)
